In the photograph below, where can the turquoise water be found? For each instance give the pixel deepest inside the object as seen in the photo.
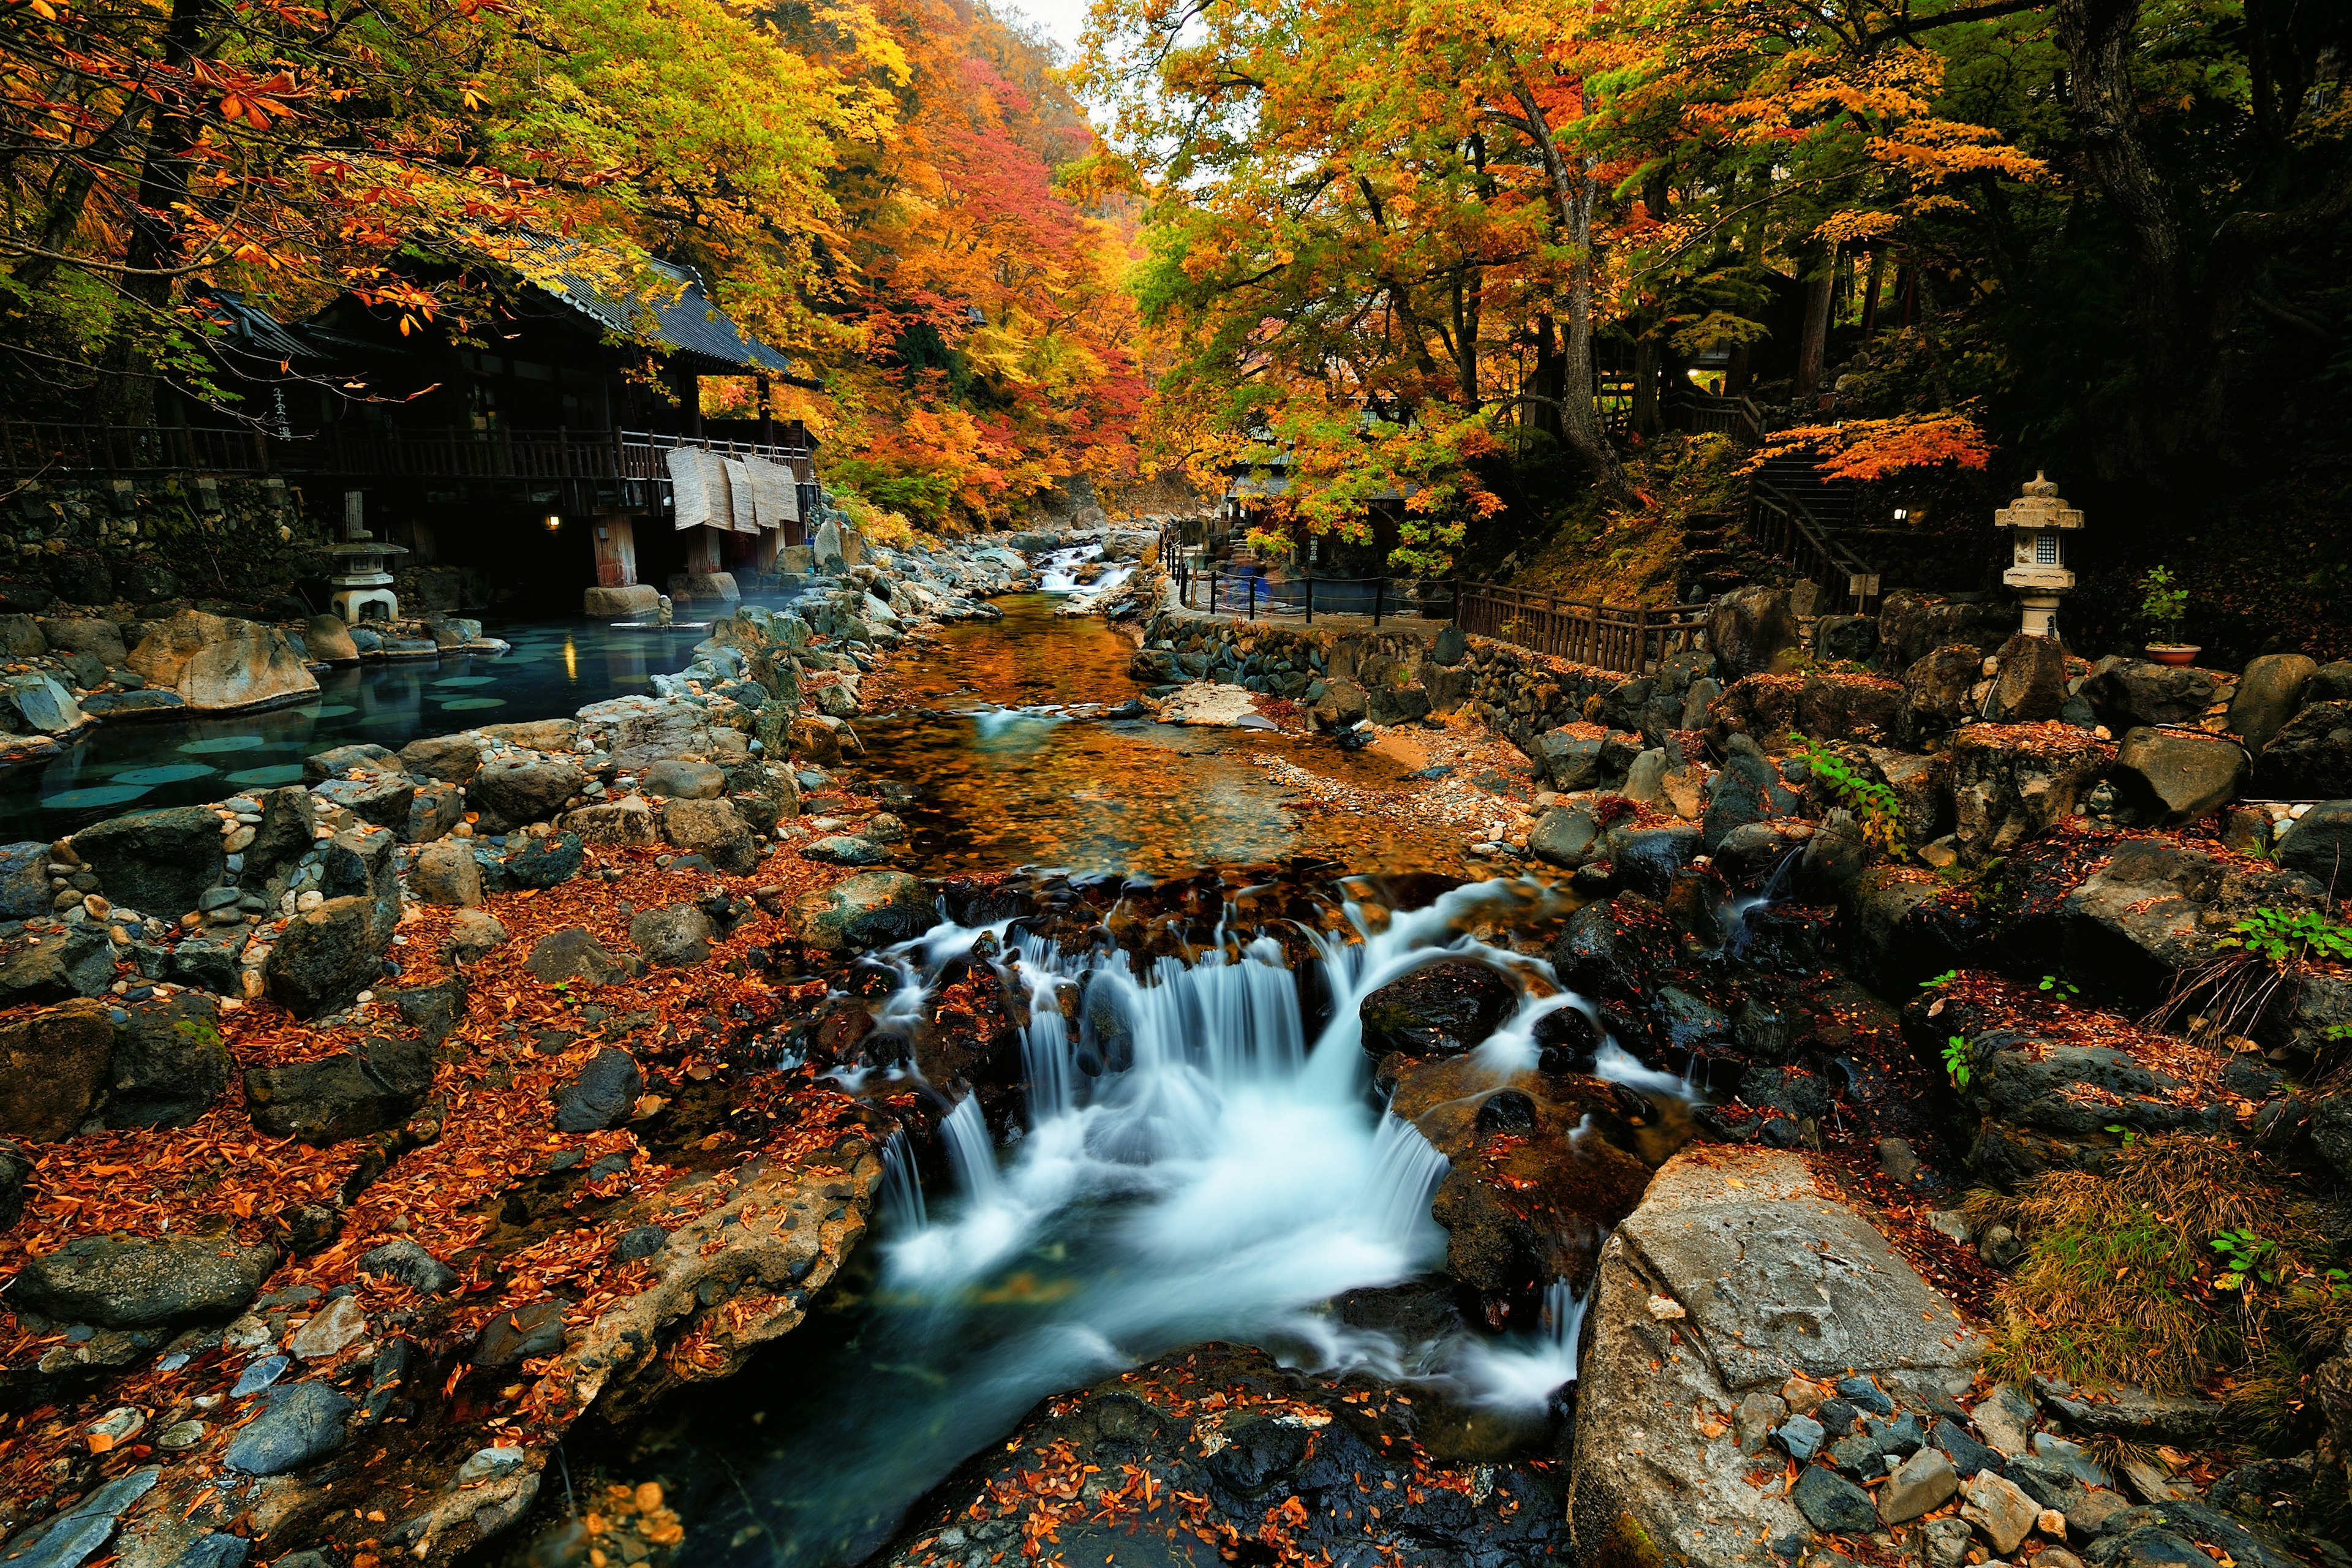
(555, 668)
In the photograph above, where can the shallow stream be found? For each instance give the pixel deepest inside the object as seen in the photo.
(1201, 1156)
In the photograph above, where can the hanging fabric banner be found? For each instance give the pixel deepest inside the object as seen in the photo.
(699, 490)
(740, 510)
(775, 491)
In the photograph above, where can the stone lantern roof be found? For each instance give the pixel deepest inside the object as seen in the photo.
(2037, 506)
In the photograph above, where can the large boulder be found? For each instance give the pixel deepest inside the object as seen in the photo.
(451, 759)
(869, 910)
(2142, 917)
(330, 954)
(327, 641)
(289, 818)
(512, 790)
(1937, 687)
(672, 937)
(24, 881)
(2128, 693)
(1748, 630)
(36, 704)
(1748, 789)
(636, 601)
(348, 1095)
(131, 1283)
(216, 662)
(53, 1067)
(1911, 624)
(602, 1094)
(713, 829)
(641, 730)
(1441, 1009)
(79, 964)
(1734, 1273)
(573, 953)
(628, 823)
(2268, 693)
(446, 873)
(2013, 783)
(2311, 757)
(304, 1421)
(169, 1063)
(2319, 844)
(2032, 684)
(2168, 777)
(157, 862)
(92, 635)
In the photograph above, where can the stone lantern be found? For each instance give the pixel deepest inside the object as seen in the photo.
(362, 584)
(2041, 522)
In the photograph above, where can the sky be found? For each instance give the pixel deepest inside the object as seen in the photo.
(1063, 20)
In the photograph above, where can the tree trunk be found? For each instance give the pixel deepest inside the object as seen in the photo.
(1549, 384)
(1573, 190)
(1870, 296)
(1813, 341)
(1645, 385)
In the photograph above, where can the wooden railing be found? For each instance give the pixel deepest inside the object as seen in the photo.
(1700, 413)
(1781, 523)
(30, 448)
(1584, 631)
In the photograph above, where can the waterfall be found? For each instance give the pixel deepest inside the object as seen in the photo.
(1523, 1371)
(965, 1132)
(902, 1189)
(1058, 572)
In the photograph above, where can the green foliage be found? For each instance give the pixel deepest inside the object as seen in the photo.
(2247, 1260)
(2161, 605)
(1941, 981)
(1874, 805)
(1956, 1061)
(2060, 990)
(2284, 936)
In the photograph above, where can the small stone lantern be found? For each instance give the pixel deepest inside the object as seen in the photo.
(2038, 569)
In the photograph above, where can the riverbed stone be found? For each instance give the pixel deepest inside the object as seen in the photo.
(2311, 757)
(406, 1260)
(133, 1283)
(169, 1064)
(24, 881)
(626, 824)
(80, 963)
(1925, 1480)
(304, 1421)
(330, 954)
(446, 873)
(675, 936)
(1997, 1507)
(713, 829)
(2319, 844)
(573, 953)
(2168, 777)
(512, 790)
(1564, 837)
(74, 1535)
(157, 862)
(679, 779)
(603, 1093)
(37, 704)
(55, 1067)
(846, 849)
(217, 663)
(1749, 629)
(474, 933)
(542, 861)
(1441, 1009)
(1759, 1281)
(2268, 693)
(2031, 685)
(869, 910)
(2131, 693)
(2012, 783)
(451, 759)
(347, 1095)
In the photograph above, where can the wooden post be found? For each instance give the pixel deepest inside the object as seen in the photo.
(1310, 599)
(1380, 592)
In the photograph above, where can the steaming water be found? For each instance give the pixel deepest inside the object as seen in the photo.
(1193, 1168)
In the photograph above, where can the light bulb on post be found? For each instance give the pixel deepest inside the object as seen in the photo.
(554, 523)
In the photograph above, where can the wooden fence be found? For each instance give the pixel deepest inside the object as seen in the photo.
(1584, 631)
(30, 448)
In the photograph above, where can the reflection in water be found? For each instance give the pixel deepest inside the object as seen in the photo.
(1003, 742)
(555, 668)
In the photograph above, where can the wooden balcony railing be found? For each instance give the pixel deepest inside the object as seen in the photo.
(1625, 637)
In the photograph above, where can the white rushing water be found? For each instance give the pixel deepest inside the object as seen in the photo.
(1217, 1174)
(1058, 571)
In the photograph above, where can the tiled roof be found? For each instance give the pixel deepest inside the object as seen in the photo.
(685, 320)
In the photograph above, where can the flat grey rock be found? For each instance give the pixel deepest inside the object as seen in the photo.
(1770, 1278)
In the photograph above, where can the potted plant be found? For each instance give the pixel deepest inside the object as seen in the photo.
(2162, 607)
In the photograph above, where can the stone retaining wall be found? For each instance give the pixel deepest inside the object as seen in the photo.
(159, 537)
